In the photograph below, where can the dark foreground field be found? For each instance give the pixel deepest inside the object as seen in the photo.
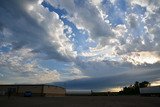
(81, 101)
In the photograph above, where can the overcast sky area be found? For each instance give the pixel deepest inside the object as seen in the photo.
(80, 44)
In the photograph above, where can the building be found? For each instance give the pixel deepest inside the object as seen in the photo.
(150, 91)
(36, 90)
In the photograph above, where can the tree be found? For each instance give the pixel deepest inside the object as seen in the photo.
(144, 84)
(134, 89)
(136, 86)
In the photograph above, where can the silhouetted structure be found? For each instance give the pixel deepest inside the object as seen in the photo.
(36, 90)
(134, 89)
(150, 91)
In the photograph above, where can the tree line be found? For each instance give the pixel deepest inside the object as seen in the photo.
(134, 89)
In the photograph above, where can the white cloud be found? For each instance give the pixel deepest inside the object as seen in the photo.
(151, 5)
(144, 57)
(100, 53)
(75, 71)
(120, 30)
(96, 2)
(155, 83)
(54, 27)
(114, 89)
(21, 65)
(112, 1)
(81, 14)
(33, 26)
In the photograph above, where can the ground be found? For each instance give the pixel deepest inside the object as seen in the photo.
(80, 101)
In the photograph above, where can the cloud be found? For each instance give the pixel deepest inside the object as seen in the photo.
(120, 41)
(119, 80)
(155, 83)
(143, 57)
(27, 24)
(96, 2)
(74, 73)
(102, 68)
(21, 67)
(81, 14)
(138, 32)
(128, 30)
(151, 5)
(31, 33)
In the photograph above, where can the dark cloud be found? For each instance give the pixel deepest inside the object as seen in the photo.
(102, 68)
(102, 83)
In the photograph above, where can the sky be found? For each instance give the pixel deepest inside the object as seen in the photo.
(80, 44)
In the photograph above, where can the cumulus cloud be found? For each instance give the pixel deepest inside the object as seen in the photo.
(151, 5)
(29, 24)
(82, 12)
(121, 41)
(138, 58)
(31, 31)
(138, 32)
(21, 67)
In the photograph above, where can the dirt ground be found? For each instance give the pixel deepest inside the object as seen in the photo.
(81, 101)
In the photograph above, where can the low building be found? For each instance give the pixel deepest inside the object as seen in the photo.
(36, 90)
(150, 91)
